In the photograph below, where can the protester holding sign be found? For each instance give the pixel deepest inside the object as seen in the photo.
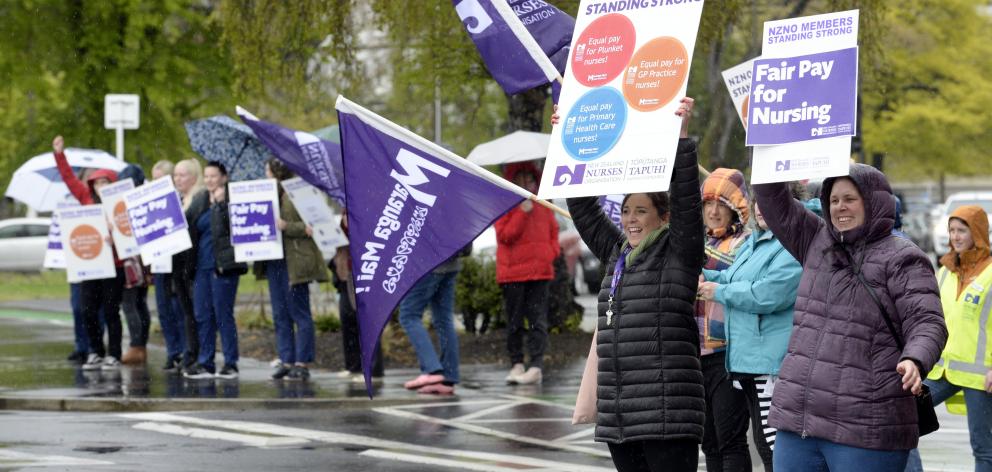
(527, 245)
(844, 398)
(725, 214)
(188, 178)
(170, 316)
(650, 397)
(96, 294)
(217, 273)
(135, 298)
(289, 285)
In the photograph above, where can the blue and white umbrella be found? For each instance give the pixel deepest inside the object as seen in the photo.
(37, 182)
(223, 139)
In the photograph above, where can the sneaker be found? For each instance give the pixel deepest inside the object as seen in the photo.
(516, 371)
(344, 374)
(282, 371)
(437, 389)
(423, 380)
(172, 365)
(299, 373)
(197, 371)
(77, 357)
(230, 371)
(359, 378)
(531, 377)
(110, 363)
(93, 362)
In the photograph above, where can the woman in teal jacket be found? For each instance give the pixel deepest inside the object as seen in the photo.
(758, 293)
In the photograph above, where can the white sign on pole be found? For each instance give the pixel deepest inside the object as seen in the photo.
(738, 81)
(88, 255)
(627, 72)
(815, 159)
(253, 206)
(121, 112)
(312, 206)
(112, 200)
(157, 219)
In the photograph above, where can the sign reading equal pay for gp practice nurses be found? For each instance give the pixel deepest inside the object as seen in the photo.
(253, 208)
(157, 220)
(628, 69)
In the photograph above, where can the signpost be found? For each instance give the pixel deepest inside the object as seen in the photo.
(121, 112)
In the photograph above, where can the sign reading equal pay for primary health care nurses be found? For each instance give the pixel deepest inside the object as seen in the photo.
(254, 207)
(627, 71)
(157, 220)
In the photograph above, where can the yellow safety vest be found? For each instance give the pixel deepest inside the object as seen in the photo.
(966, 357)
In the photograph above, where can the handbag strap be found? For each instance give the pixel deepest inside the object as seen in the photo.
(885, 313)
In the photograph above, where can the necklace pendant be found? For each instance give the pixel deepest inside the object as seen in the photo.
(609, 317)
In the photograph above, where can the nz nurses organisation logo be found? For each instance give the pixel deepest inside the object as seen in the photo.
(656, 73)
(85, 242)
(120, 219)
(603, 50)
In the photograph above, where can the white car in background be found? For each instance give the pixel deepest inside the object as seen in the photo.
(940, 237)
(23, 242)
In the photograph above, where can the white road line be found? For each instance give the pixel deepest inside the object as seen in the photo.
(577, 435)
(10, 459)
(538, 402)
(492, 432)
(522, 420)
(200, 433)
(417, 406)
(487, 411)
(364, 441)
(425, 460)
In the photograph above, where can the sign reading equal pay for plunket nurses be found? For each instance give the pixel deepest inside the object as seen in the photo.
(88, 255)
(254, 207)
(157, 220)
(627, 71)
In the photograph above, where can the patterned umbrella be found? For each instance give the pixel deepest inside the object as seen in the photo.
(223, 139)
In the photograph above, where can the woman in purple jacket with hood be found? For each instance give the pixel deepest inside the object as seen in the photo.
(844, 399)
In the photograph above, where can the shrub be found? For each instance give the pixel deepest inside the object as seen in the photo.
(477, 292)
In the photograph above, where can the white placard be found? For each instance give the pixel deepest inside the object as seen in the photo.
(55, 252)
(157, 219)
(88, 255)
(738, 82)
(112, 200)
(626, 74)
(312, 206)
(819, 159)
(253, 206)
(162, 265)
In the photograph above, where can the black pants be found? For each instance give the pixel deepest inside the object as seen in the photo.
(105, 294)
(758, 405)
(673, 455)
(350, 335)
(526, 300)
(725, 434)
(182, 285)
(139, 320)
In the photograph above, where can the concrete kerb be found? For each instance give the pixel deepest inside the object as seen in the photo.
(105, 405)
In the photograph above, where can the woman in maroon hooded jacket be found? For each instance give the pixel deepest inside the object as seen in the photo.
(844, 398)
(102, 293)
(526, 248)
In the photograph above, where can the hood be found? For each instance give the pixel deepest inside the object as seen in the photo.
(100, 174)
(136, 174)
(978, 222)
(880, 205)
(727, 186)
(511, 170)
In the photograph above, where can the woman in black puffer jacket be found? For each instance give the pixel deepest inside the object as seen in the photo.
(650, 406)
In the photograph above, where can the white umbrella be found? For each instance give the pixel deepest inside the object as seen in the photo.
(37, 182)
(514, 147)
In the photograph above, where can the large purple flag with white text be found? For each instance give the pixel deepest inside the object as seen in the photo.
(411, 205)
(315, 160)
(516, 38)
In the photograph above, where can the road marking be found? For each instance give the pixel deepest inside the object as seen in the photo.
(487, 411)
(368, 442)
(523, 420)
(424, 460)
(417, 406)
(200, 433)
(11, 459)
(577, 435)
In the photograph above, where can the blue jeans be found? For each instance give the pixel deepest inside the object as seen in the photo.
(795, 454)
(170, 316)
(290, 305)
(979, 406)
(213, 299)
(439, 291)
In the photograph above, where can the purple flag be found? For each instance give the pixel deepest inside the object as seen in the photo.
(313, 159)
(516, 38)
(411, 206)
(613, 207)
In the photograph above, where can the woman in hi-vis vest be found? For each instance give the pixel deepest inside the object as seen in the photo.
(965, 282)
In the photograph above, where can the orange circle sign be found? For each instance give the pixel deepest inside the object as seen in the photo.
(655, 74)
(120, 219)
(747, 100)
(86, 242)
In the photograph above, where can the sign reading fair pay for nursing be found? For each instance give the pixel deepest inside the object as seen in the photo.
(626, 74)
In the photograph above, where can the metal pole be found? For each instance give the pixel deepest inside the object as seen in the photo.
(120, 141)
